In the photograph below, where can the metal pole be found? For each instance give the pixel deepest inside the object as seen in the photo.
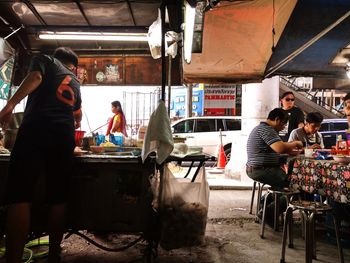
(14, 32)
(189, 101)
(169, 84)
(162, 11)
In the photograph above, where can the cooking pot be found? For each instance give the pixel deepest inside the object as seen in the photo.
(10, 133)
(87, 142)
(79, 137)
(10, 138)
(15, 121)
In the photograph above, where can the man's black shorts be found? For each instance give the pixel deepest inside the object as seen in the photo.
(41, 161)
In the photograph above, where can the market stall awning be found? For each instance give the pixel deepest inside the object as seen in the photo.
(243, 41)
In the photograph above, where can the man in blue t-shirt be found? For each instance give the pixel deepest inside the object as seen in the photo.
(44, 147)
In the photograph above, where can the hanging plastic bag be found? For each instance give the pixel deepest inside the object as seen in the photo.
(184, 210)
(6, 51)
(155, 37)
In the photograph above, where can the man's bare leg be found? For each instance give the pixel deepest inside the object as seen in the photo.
(17, 228)
(56, 231)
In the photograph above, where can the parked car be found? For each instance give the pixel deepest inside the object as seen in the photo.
(331, 128)
(205, 132)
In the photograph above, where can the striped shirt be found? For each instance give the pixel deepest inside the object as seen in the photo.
(258, 146)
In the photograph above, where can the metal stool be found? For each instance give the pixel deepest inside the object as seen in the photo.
(287, 194)
(308, 209)
(260, 188)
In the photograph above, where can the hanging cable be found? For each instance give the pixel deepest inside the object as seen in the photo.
(273, 26)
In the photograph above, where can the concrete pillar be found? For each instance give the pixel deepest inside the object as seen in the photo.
(258, 99)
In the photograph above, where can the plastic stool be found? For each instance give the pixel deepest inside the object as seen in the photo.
(287, 194)
(260, 188)
(308, 209)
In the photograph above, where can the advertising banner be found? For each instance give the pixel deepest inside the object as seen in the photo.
(220, 100)
(178, 101)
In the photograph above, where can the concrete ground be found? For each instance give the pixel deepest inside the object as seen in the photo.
(231, 236)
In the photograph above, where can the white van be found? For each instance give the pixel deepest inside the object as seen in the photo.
(205, 132)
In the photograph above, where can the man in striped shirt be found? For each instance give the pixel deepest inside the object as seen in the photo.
(264, 148)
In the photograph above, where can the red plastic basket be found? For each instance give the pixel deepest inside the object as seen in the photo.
(342, 152)
(79, 137)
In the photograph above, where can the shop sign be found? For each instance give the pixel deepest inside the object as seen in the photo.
(219, 99)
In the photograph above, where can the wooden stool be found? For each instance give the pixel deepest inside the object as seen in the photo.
(287, 194)
(308, 209)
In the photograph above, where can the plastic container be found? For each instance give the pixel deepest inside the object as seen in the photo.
(309, 152)
(10, 138)
(16, 120)
(342, 152)
(100, 138)
(116, 139)
(347, 136)
(79, 138)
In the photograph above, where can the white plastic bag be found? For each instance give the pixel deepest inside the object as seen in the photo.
(155, 37)
(184, 210)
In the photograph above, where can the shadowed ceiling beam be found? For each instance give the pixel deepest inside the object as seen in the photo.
(34, 11)
(131, 12)
(82, 12)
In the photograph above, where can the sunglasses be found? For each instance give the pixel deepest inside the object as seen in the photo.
(290, 99)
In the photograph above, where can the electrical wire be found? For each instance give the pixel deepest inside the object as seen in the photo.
(37, 243)
(115, 249)
(273, 26)
(28, 254)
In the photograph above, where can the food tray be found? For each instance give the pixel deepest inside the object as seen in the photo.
(118, 153)
(110, 148)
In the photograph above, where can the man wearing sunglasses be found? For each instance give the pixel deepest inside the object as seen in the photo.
(296, 115)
